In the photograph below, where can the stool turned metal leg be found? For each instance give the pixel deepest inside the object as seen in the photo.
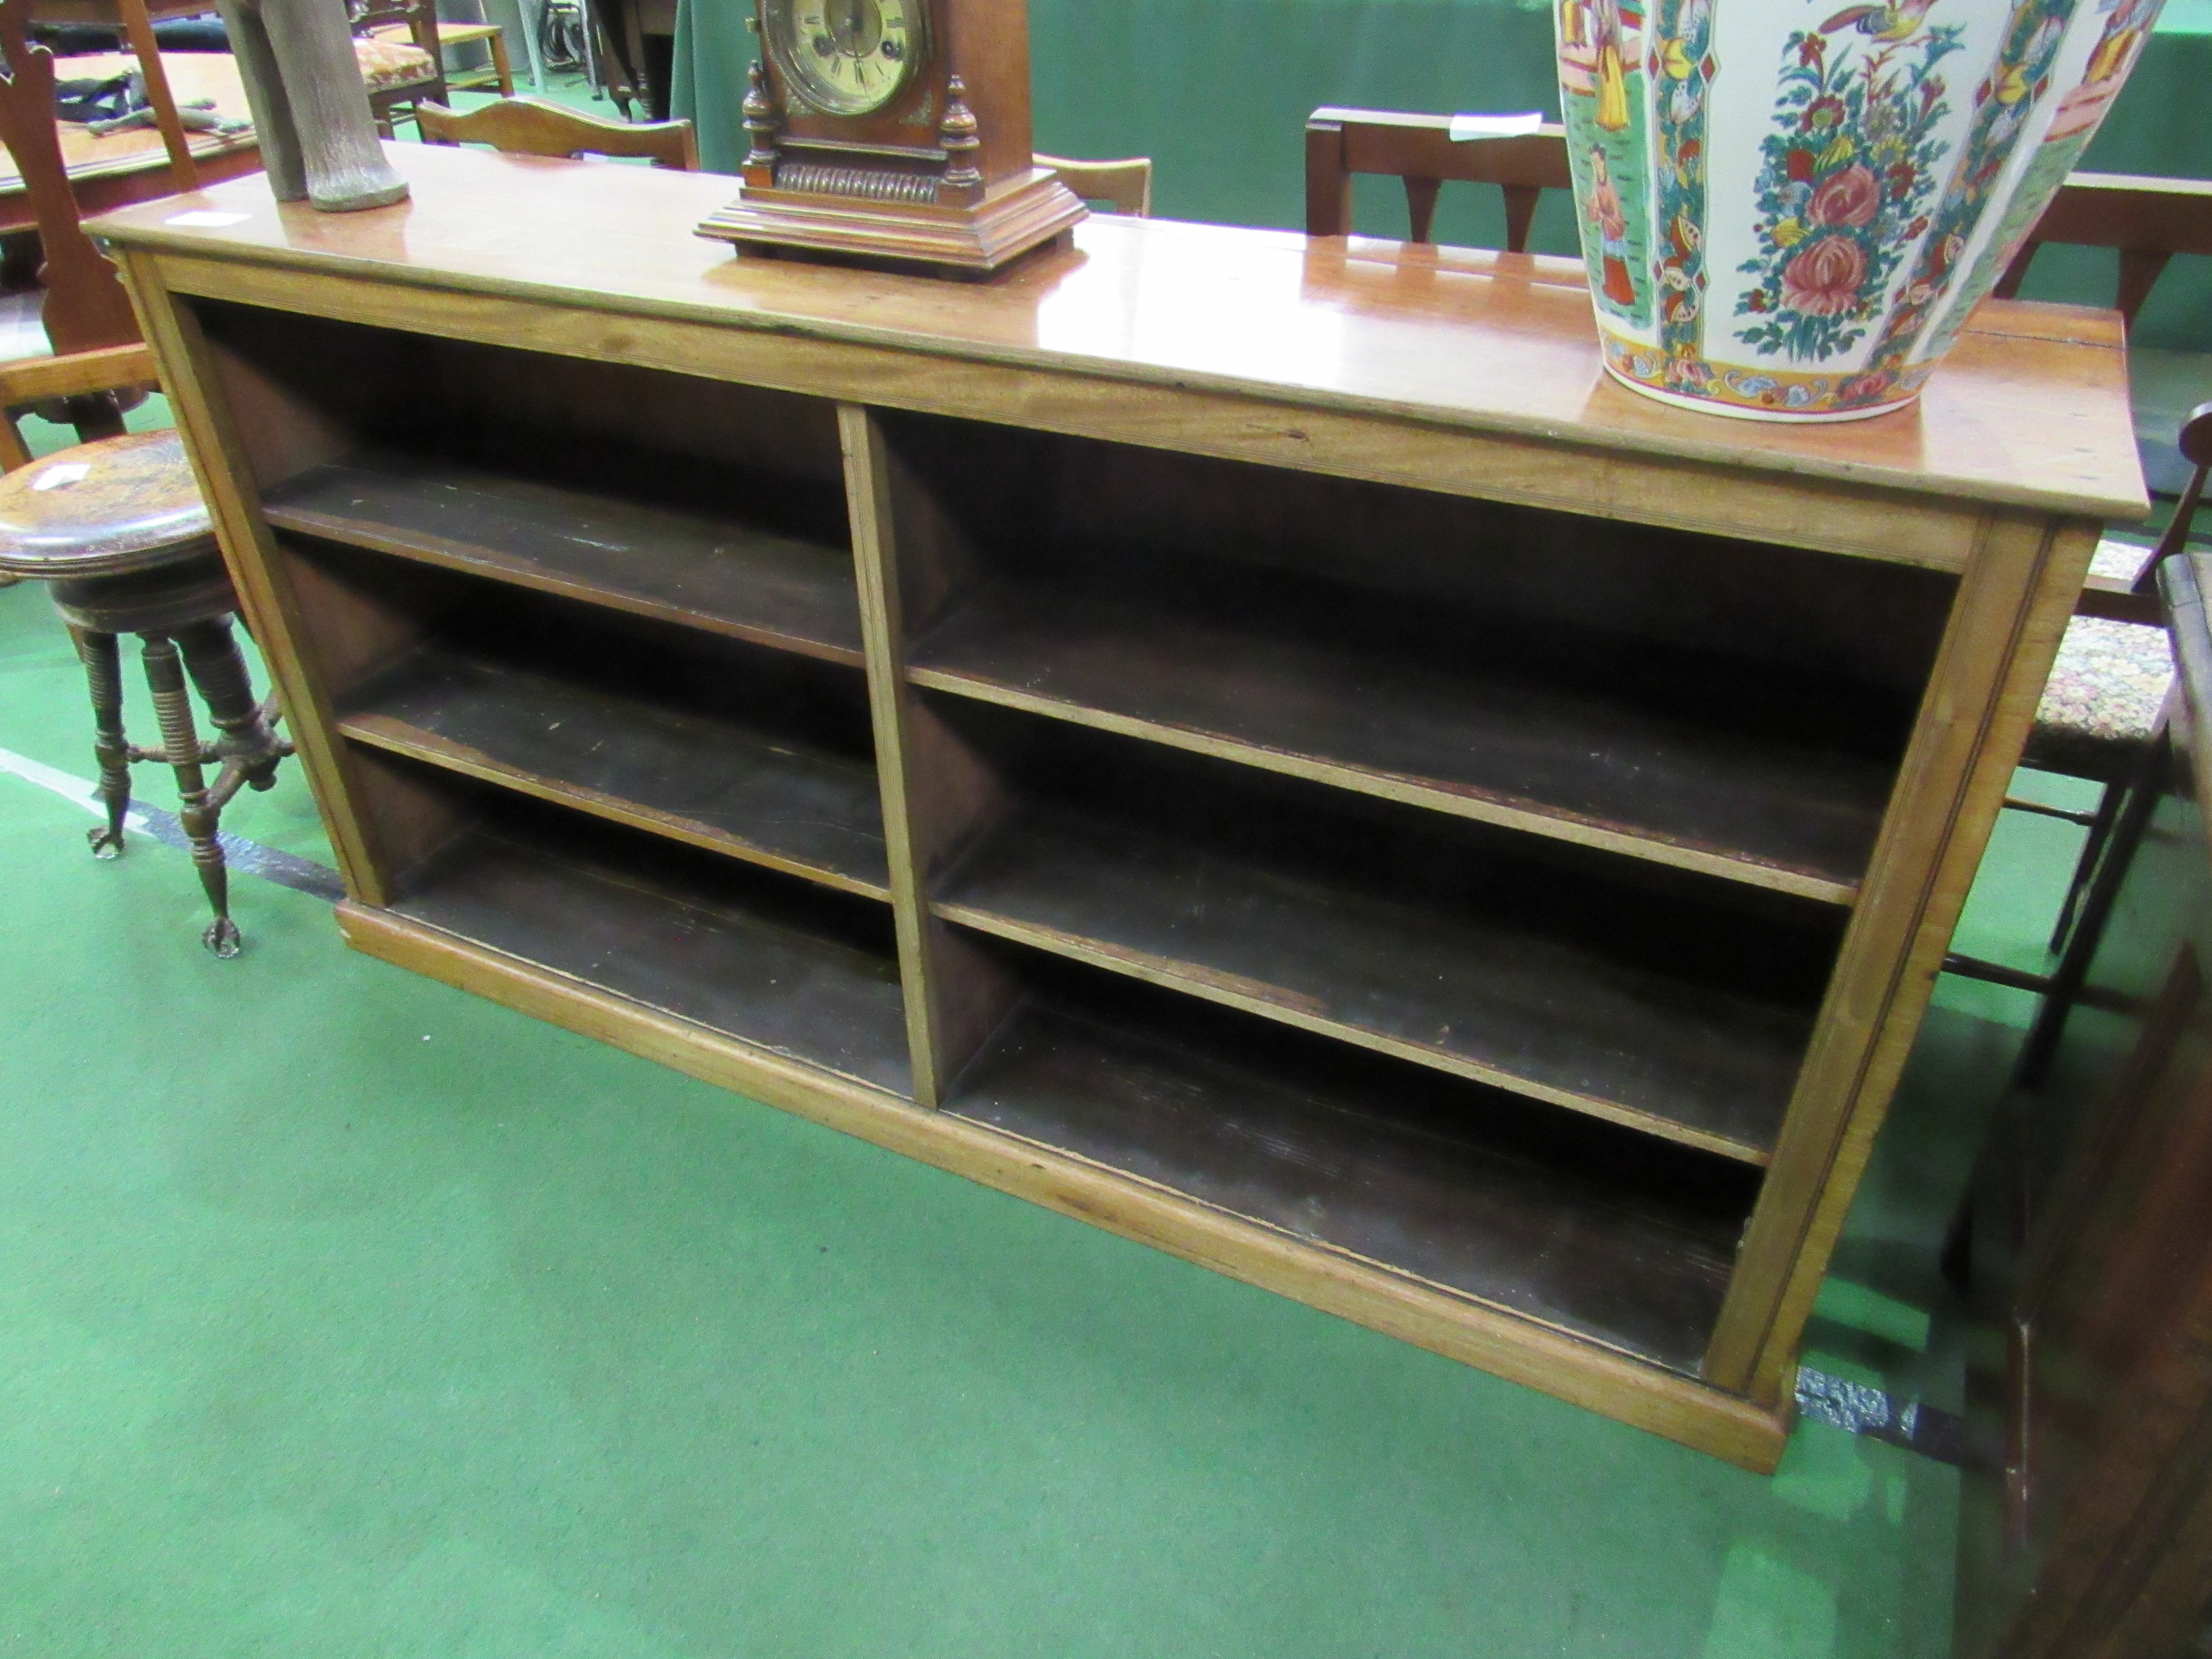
(103, 668)
(117, 530)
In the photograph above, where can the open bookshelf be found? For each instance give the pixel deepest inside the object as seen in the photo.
(1355, 841)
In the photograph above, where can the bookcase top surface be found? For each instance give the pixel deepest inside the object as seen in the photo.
(2031, 408)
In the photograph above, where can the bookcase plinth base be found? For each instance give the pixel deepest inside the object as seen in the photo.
(1585, 1374)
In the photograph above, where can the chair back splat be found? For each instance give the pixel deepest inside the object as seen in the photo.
(1124, 185)
(533, 126)
(1420, 150)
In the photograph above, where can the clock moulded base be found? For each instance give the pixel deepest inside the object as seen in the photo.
(1016, 215)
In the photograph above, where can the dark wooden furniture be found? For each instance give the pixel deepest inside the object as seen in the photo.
(450, 35)
(136, 18)
(533, 126)
(637, 53)
(402, 64)
(117, 529)
(1125, 185)
(97, 366)
(894, 131)
(2146, 221)
(133, 165)
(1420, 150)
(2149, 221)
(1250, 742)
(2086, 1523)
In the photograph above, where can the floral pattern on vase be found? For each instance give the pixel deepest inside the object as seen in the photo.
(1822, 215)
(1849, 172)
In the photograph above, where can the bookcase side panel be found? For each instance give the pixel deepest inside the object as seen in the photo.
(222, 463)
(2004, 630)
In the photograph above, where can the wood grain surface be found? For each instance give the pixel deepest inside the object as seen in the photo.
(2031, 408)
(729, 786)
(1359, 1161)
(709, 573)
(1441, 984)
(755, 960)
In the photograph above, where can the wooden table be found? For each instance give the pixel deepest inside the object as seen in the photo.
(1257, 745)
(133, 166)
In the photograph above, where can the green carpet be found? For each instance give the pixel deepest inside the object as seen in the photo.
(343, 1314)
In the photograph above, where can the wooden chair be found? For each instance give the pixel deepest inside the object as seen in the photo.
(396, 44)
(533, 126)
(98, 362)
(450, 35)
(1127, 184)
(1420, 150)
(2147, 221)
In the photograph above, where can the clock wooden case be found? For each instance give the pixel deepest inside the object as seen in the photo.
(894, 130)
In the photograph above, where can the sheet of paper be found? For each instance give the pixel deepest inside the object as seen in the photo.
(202, 219)
(69, 472)
(1464, 127)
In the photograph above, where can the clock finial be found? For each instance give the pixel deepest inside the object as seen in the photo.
(956, 137)
(760, 128)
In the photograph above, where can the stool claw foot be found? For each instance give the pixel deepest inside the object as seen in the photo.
(221, 936)
(106, 843)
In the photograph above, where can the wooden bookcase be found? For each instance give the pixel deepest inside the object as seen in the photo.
(1252, 744)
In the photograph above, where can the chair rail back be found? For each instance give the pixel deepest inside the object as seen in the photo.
(1420, 150)
(2149, 220)
(534, 126)
(1126, 183)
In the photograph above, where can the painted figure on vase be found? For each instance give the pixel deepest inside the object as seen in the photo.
(1611, 77)
(1606, 214)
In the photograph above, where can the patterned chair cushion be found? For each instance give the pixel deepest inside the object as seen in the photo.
(2101, 704)
(387, 65)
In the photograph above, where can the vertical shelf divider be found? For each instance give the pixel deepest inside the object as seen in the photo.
(936, 791)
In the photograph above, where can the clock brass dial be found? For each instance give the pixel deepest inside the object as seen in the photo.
(846, 56)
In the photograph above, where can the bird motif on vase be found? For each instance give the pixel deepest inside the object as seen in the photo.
(1881, 22)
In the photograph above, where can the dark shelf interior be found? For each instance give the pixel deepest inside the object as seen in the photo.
(718, 506)
(726, 784)
(1595, 1229)
(704, 570)
(749, 751)
(1681, 1004)
(1743, 717)
(788, 966)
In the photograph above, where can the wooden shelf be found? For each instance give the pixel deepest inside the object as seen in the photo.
(1344, 1163)
(695, 568)
(1545, 757)
(1545, 1017)
(746, 961)
(715, 782)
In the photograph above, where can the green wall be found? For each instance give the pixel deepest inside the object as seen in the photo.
(1217, 92)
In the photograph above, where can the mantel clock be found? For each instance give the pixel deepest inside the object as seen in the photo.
(894, 130)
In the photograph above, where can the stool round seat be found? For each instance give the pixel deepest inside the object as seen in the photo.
(112, 507)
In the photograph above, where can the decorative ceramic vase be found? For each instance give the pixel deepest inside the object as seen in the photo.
(1788, 209)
